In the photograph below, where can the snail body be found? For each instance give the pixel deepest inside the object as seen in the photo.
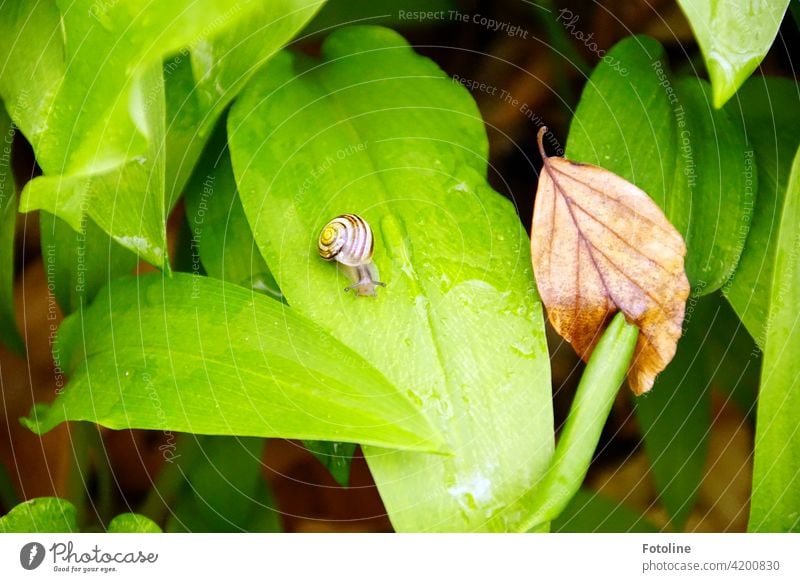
(347, 239)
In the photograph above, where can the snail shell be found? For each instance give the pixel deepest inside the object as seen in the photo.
(347, 239)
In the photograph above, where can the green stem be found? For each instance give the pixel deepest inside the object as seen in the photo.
(596, 392)
(105, 477)
(170, 480)
(79, 471)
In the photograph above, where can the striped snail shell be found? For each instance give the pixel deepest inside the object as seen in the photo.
(347, 239)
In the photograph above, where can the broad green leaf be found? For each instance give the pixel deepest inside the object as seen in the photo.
(223, 488)
(33, 63)
(675, 416)
(102, 98)
(664, 137)
(625, 123)
(591, 512)
(202, 81)
(775, 501)
(132, 523)
(221, 237)
(377, 130)
(770, 112)
(41, 515)
(193, 354)
(714, 188)
(80, 120)
(79, 264)
(103, 151)
(734, 36)
(336, 457)
(9, 334)
(223, 243)
(126, 201)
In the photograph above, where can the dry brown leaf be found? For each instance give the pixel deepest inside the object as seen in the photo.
(600, 245)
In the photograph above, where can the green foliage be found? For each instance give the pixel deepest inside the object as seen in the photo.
(775, 501)
(221, 237)
(201, 84)
(663, 136)
(716, 352)
(55, 515)
(444, 377)
(9, 334)
(675, 416)
(459, 325)
(590, 512)
(222, 487)
(770, 115)
(79, 264)
(112, 101)
(173, 355)
(734, 36)
(98, 126)
(41, 515)
(132, 523)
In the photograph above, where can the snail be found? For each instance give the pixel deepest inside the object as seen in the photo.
(347, 239)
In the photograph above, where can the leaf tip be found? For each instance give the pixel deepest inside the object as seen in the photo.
(36, 420)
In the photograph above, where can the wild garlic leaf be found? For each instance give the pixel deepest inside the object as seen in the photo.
(377, 130)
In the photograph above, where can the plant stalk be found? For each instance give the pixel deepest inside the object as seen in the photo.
(596, 392)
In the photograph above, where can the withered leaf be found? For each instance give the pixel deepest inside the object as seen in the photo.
(600, 245)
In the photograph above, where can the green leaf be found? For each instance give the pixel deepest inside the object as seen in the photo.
(377, 130)
(596, 392)
(732, 359)
(86, 122)
(200, 85)
(126, 201)
(9, 333)
(192, 354)
(41, 515)
(714, 188)
(79, 264)
(132, 523)
(336, 457)
(675, 416)
(734, 36)
(770, 112)
(625, 123)
(775, 501)
(223, 488)
(221, 237)
(103, 150)
(665, 138)
(590, 512)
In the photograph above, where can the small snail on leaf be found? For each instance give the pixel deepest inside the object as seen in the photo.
(347, 239)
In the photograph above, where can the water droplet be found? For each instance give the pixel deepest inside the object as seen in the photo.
(414, 398)
(526, 350)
